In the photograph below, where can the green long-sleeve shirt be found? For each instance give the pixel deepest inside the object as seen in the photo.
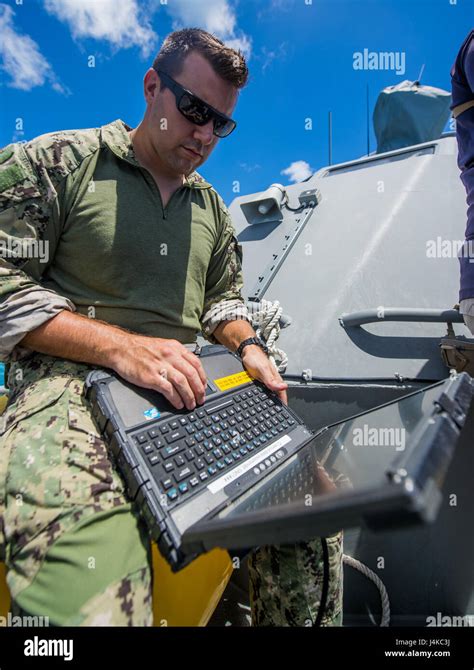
(93, 218)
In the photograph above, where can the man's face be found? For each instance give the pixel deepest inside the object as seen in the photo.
(174, 140)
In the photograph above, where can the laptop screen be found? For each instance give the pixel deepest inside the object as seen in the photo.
(354, 456)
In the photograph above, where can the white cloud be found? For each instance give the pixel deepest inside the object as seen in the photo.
(120, 23)
(21, 57)
(298, 171)
(269, 55)
(215, 16)
(250, 167)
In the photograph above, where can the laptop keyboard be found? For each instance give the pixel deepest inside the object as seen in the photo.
(186, 452)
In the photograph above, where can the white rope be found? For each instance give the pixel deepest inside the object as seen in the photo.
(367, 572)
(266, 323)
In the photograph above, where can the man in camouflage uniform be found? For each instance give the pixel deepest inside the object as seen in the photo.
(114, 253)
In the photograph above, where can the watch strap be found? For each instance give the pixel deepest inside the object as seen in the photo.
(251, 340)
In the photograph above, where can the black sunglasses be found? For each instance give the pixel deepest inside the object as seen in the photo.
(196, 110)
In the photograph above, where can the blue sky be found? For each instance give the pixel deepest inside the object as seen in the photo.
(300, 57)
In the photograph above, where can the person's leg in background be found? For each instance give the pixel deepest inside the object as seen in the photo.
(75, 549)
(288, 583)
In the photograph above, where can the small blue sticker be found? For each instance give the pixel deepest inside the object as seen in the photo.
(152, 413)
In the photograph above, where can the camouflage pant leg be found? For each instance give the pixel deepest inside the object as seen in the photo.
(75, 549)
(286, 583)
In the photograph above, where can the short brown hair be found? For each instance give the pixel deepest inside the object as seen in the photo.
(227, 62)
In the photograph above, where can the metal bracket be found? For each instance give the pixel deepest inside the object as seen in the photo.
(266, 277)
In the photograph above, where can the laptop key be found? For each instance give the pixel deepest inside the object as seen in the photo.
(175, 435)
(203, 476)
(194, 481)
(166, 484)
(179, 460)
(200, 464)
(154, 459)
(141, 438)
(182, 474)
(169, 466)
(167, 452)
(148, 448)
(172, 494)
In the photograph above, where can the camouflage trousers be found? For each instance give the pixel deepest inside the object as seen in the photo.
(76, 549)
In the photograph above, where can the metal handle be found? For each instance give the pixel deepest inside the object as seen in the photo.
(414, 314)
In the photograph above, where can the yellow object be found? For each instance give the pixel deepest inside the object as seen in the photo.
(4, 594)
(3, 402)
(189, 597)
(229, 382)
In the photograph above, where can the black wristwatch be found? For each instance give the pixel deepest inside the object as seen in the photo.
(252, 340)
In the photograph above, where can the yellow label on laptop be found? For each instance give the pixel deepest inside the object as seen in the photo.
(237, 379)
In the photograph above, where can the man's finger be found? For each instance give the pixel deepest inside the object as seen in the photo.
(196, 363)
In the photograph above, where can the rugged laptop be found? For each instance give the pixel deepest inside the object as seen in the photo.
(243, 469)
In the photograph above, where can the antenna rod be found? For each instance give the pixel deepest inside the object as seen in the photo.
(330, 138)
(368, 128)
(421, 73)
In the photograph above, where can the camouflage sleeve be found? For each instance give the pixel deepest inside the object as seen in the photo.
(29, 232)
(224, 282)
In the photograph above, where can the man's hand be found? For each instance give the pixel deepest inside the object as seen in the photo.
(259, 366)
(165, 366)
